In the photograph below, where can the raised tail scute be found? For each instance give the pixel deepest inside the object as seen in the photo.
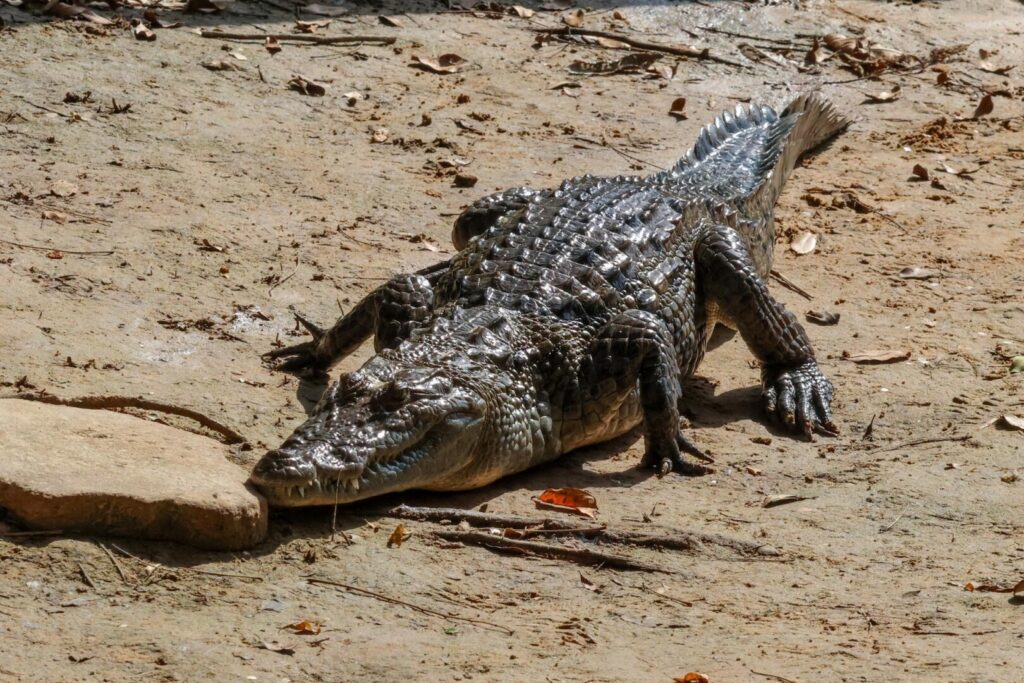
(812, 122)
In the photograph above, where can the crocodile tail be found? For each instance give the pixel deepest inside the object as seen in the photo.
(807, 123)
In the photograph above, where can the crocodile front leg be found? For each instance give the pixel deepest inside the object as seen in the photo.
(391, 312)
(635, 348)
(793, 388)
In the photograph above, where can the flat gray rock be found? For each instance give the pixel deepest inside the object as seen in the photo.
(96, 471)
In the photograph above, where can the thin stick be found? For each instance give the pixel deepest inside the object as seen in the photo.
(618, 151)
(422, 610)
(775, 677)
(26, 534)
(299, 38)
(918, 442)
(750, 36)
(228, 575)
(111, 402)
(85, 576)
(681, 50)
(116, 562)
(100, 252)
(583, 556)
(782, 280)
(675, 540)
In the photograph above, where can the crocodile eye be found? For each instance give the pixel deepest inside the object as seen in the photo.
(391, 398)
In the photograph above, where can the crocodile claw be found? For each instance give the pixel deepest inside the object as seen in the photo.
(800, 398)
(674, 461)
(303, 359)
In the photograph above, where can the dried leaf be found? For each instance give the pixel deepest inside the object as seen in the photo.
(63, 10)
(390, 21)
(306, 627)
(397, 536)
(63, 189)
(379, 135)
(277, 647)
(991, 588)
(984, 108)
(920, 171)
(1012, 422)
(141, 31)
(632, 63)
(55, 216)
(588, 584)
(1009, 478)
(692, 677)
(918, 273)
(884, 96)
(271, 45)
(960, 171)
(783, 499)
(752, 471)
(155, 21)
(445, 64)
(993, 69)
(568, 500)
(662, 71)
(307, 87)
(876, 357)
(822, 317)
(311, 26)
(521, 11)
(678, 108)
(56, 254)
(465, 180)
(574, 19)
(804, 243)
(220, 65)
(325, 10)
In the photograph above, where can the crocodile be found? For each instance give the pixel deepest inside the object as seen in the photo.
(569, 316)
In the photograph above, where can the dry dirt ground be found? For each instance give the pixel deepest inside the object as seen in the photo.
(220, 199)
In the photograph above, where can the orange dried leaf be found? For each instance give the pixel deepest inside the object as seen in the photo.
(678, 108)
(573, 19)
(306, 628)
(692, 677)
(568, 500)
(397, 536)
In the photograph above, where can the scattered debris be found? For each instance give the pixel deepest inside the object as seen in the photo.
(876, 357)
(884, 96)
(448, 63)
(634, 62)
(918, 273)
(822, 317)
(783, 499)
(307, 86)
(141, 32)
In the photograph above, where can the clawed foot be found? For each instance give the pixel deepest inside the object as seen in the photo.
(671, 459)
(799, 397)
(303, 359)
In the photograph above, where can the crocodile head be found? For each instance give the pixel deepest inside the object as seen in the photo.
(434, 417)
(377, 430)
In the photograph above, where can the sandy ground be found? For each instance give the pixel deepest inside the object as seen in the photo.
(222, 198)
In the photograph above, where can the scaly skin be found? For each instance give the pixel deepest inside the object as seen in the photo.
(568, 317)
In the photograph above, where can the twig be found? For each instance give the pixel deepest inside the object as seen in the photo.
(893, 523)
(775, 677)
(298, 38)
(680, 50)
(918, 442)
(101, 252)
(85, 576)
(228, 575)
(117, 564)
(676, 540)
(782, 280)
(618, 151)
(750, 36)
(422, 610)
(27, 534)
(579, 555)
(229, 435)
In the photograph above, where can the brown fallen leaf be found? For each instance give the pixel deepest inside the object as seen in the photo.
(379, 135)
(568, 500)
(63, 10)
(884, 96)
(56, 254)
(984, 108)
(990, 588)
(678, 108)
(55, 216)
(398, 536)
(822, 317)
(662, 71)
(141, 32)
(445, 64)
(804, 243)
(631, 63)
(574, 19)
(307, 87)
(390, 21)
(271, 45)
(991, 68)
(311, 26)
(876, 357)
(1009, 478)
(692, 677)
(918, 273)
(306, 627)
(920, 172)
(221, 65)
(783, 499)
(521, 12)
(588, 584)
(752, 471)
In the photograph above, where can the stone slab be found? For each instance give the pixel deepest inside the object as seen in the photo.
(97, 471)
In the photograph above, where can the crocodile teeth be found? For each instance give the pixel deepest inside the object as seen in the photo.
(355, 485)
(302, 492)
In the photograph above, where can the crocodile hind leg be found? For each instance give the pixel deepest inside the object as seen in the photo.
(636, 348)
(390, 313)
(485, 212)
(793, 388)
